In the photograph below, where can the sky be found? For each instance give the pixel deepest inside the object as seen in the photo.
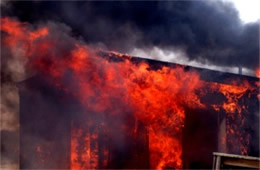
(248, 9)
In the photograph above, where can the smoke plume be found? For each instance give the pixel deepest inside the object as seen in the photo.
(207, 32)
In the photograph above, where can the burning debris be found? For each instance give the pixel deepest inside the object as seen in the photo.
(113, 110)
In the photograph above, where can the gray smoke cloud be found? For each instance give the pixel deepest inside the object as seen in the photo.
(209, 32)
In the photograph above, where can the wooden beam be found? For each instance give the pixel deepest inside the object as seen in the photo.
(222, 159)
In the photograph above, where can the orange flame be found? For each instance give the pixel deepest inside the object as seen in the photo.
(157, 96)
(257, 72)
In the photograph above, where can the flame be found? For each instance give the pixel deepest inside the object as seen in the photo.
(257, 72)
(20, 36)
(166, 151)
(233, 94)
(84, 156)
(158, 97)
(236, 114)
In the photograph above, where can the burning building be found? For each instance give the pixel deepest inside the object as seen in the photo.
(169, 131)
(87, 109)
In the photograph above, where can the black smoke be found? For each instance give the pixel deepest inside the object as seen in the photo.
(207, 31)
